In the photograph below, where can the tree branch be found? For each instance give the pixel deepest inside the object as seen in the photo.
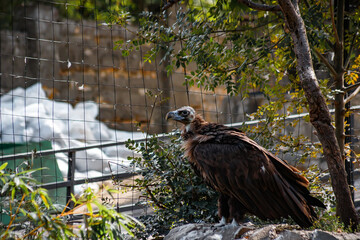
(347, 61)
(153, 198)
(352, 87)
(352, 95)
(333, 24)
(260, 6)
(325, 61)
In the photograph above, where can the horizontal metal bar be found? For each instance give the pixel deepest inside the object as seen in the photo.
(123, 208)
(291, 117)
(71, 149)
(110, 144)
(130, 207)
(55, 185)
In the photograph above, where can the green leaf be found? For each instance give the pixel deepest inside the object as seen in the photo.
(89, 207)
(5, 188)
(16, 181)
(125, 53)
(3, 166)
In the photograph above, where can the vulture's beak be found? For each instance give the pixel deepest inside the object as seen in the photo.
(174, 116)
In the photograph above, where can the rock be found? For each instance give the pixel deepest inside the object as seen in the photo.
(251, 232)
(202, 232)
(293, 235)
(261, 233)
(279, 232)
(243, 228)
(322, 235)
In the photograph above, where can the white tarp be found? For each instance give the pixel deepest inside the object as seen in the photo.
(27, 115)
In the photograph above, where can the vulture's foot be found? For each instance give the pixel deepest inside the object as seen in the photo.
(234, 223)
(221, 223)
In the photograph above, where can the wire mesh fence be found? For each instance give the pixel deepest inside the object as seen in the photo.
(69, 94)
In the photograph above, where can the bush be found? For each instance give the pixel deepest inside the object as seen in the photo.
(170, 185)
(34, 216)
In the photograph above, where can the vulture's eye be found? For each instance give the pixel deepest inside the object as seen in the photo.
(184, 113)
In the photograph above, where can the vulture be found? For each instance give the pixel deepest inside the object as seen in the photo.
(248, 178)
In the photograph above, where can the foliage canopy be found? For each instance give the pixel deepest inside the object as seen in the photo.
(228, 45)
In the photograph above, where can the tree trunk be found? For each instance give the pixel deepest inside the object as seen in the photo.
(319, 112)
(339, 78)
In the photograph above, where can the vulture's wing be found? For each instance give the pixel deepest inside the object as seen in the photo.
(265, 185)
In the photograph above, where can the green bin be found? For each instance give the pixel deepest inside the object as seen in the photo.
(50, 174)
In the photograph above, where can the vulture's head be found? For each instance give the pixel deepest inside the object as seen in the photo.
(184, 115)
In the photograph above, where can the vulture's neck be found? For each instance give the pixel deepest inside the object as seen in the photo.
(190, 129)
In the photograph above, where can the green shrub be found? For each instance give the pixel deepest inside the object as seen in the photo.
(33, 215)
(321, 188)
(170, 185)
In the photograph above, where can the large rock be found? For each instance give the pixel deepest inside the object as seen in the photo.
(202, 232)
(248, 232)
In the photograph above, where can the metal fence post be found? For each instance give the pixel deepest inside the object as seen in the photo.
(71, 178)
(349, 165)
